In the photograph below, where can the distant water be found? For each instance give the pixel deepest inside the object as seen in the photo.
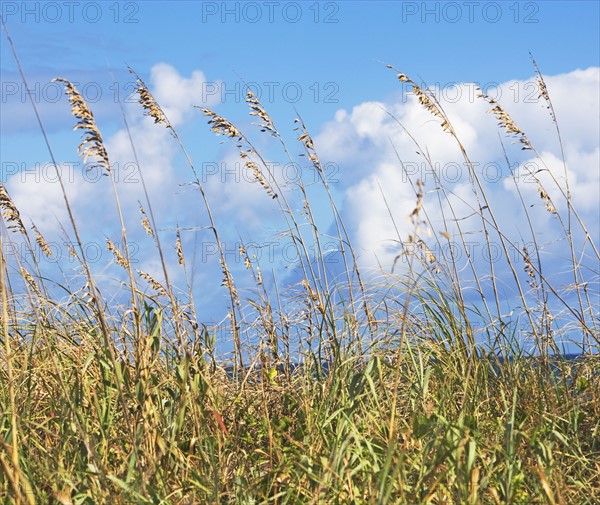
(325, 366)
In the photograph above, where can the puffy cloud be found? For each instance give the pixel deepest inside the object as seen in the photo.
(177, 94)
(38, 195)
(369, 205)
(36, 191)
(378, 158)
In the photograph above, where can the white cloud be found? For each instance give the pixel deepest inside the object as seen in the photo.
(370, 146)
(582, 175)
(375, 232)
(177, 94)
(38, 196)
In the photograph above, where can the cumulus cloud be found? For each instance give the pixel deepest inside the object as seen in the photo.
(379, 159)
(177, 94)
(37, 193)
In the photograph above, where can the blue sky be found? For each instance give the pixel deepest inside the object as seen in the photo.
(323, 60)
(488, 42)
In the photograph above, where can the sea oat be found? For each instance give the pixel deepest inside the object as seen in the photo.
(31, 281)
(425, 100)
(146, 222)
(259, 111)
(121, 260)
(259, 277)
(311, 292)
(41, 241)
(414, 216)
(260, 178)
(244, 255)
(543, 90)
(529, 269)
(506, 121)
(228, 281)
(427, 103)
(10, 211)
(149, 103)
(179, 247)
(547, 200)
(92, 144)
(429, 256)
(306, 139)
(416, 211)
(157, 286)
(220, 125)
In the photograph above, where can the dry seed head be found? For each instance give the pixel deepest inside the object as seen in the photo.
(313, 295)
(244, 255)
(544, 94)
(92, 144)
(426, 102)
(543, 90)
(41, 241)
(149, 103)
(10, 211)
(259, 111)
(401, 77)
(506, 121)
(429, 256)
(220, 125)
(151, 107)
(431, 106)
(529, 269)
(258, 175)
(31, 281)
(547, 200)
(117, 254)
(228, 281)
(306, 139)
(417, 209)
(179, 247)
(157, 286)
(414, 215)
(146, 222)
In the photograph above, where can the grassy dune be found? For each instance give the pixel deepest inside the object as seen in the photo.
(408, 393)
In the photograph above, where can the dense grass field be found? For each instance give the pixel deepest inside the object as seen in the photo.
(407, 392)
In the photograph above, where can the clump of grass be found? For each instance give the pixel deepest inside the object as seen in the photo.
(345, 392)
